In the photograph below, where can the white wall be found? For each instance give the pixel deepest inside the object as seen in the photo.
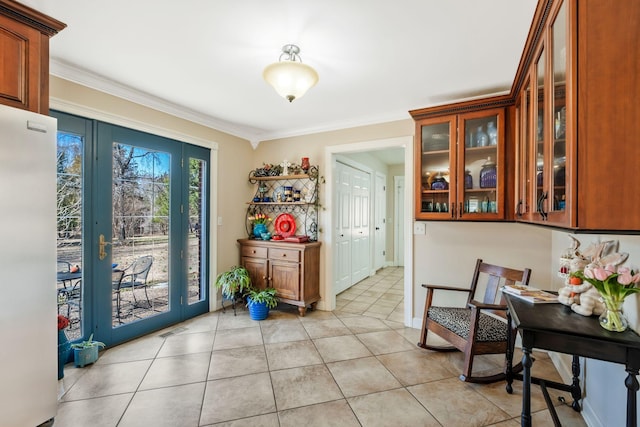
(447, 254)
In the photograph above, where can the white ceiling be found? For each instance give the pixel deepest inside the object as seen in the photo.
(203, 59)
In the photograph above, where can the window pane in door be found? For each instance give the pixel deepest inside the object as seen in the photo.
(140, 237)
(69, 230)
(195, 252)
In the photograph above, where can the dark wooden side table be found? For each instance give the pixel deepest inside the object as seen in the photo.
(555, 327)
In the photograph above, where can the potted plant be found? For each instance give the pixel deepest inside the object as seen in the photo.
(260, 301)
(233, 283)
(86, 352)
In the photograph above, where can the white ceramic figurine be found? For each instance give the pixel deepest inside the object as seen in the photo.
(583, 298)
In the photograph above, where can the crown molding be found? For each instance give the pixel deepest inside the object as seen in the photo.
(94, 81)
(253, 135)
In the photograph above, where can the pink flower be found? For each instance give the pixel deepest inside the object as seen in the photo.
(597, 273)
(626, 276)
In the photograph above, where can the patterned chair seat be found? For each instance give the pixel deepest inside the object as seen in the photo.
(457, 321)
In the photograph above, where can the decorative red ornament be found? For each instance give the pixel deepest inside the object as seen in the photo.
(305, 164)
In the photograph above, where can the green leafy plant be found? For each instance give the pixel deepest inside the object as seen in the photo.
(266, 296)
(233, 281)
(88, 343)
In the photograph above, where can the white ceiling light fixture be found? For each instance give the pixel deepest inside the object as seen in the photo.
(289, 76)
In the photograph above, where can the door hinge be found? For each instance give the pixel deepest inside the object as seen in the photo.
(181, 209)
(180, 299)
(384, 252)
(182, 162)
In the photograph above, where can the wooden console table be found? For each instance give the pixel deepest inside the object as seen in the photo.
(555, 327)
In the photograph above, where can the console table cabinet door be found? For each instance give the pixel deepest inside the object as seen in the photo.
(258, 269)
(285, 278)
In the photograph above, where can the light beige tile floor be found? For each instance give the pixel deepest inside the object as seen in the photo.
(356, 366)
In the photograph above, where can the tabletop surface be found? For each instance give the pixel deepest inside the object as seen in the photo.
(558, 318)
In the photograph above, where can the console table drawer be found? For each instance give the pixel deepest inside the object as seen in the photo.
(284, 254)
(254, 251)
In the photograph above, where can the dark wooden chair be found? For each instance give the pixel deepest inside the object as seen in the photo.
(479, 327)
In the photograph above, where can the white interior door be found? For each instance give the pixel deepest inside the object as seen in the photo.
(342, 249)
(380, 222)
(360, 242)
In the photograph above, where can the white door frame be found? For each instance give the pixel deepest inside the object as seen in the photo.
(398, 181)
(326, 287)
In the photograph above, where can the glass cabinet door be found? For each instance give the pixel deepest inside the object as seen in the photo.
(526, 167)
(558, 79)
(479, 177)
(539, 109)
(433, 167)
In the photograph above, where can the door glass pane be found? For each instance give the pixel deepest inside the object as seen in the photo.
(69, 230)
(559, 47)
(435, 167)
(480, 156)
(526, 149)
(540, 166)
(140, 233)
(196, 261)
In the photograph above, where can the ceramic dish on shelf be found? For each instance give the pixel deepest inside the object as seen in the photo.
(278, 194)
(285, 225)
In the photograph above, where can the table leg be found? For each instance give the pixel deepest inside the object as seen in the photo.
(632, 387)
(527, 361)
(576, 393)
(509, 356)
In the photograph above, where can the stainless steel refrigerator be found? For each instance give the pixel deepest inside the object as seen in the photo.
(28, 324)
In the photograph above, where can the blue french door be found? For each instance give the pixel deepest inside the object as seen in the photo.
(144, 237)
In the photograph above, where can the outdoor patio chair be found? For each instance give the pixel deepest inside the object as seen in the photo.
(135, 276)
(71, 281)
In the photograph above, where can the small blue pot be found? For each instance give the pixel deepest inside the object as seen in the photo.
(258, 310)
(85, 356)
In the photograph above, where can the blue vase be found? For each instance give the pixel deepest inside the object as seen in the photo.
(64, 349)
(258, 229)
(258, 310)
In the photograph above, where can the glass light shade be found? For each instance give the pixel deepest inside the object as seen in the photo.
(290, 79)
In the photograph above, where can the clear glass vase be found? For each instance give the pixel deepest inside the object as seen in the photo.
(612, 319)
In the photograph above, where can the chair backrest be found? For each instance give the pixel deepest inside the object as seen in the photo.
(64, 267)
(497, 277)
(140, 267)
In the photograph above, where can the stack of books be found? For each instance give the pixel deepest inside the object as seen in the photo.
(530, 294)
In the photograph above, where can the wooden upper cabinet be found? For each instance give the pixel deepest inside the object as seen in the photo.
(24, 56)
(577, 117)
(460, 163)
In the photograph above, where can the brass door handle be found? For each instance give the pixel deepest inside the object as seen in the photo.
(102, 254)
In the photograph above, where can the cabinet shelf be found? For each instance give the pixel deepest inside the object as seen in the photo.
(280, 203)
(280, 177)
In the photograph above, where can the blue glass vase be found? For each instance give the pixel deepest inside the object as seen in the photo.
(258, 229)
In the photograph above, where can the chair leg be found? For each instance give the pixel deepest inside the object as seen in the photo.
(423, 333)
(468, 365)
(147, 295)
